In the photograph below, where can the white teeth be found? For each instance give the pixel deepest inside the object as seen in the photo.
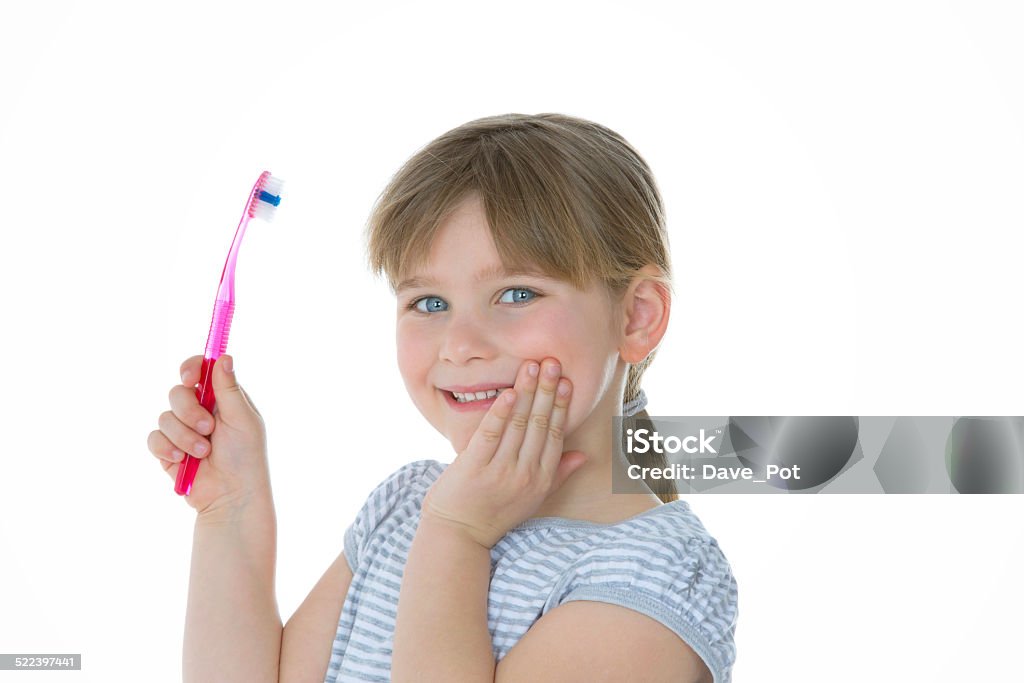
(478, 396)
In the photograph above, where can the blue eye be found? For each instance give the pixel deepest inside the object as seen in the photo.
(517, 299)
(415, 304)
(438, 304)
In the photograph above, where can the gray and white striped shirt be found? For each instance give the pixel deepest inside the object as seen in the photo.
(662, 563)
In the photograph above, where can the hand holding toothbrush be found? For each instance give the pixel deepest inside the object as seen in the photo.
(231, 442)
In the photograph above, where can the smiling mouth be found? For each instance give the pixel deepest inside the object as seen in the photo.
(477, 396)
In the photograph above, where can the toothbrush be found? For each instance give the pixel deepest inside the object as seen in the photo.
(262, 203)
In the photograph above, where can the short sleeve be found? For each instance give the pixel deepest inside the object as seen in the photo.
(686, 584)
(385, 498)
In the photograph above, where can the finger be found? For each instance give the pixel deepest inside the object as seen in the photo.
(163, 449)
(552, 452)
(189, 371)
(186, 408)
(233, 407)
(525, 388)
(540, 415)
(484, 442)
(183, 438)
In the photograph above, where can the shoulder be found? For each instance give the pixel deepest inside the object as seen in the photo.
(412, 473)
(665, 566)
(393, 501)
(405, 482)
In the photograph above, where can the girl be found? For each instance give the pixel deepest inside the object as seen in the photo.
(530, 262)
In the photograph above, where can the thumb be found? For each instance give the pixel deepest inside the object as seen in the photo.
(571, 461)
(232, 403)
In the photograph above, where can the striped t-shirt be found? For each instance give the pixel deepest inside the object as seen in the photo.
(662, 563)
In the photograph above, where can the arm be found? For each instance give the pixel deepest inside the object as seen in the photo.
(232, 626)
(309, 634)
(499, 480)
(441, 631)
(589, 641)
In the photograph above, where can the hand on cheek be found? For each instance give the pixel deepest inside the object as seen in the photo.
(513, 461)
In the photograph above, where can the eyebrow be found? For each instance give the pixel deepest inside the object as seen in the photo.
(496, 272)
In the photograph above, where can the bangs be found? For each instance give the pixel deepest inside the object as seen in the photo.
(561, 196)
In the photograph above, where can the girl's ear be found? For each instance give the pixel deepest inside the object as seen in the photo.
(646, 309)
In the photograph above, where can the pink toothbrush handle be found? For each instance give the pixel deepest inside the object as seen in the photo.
(216, 344)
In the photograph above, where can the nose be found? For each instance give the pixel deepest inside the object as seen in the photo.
(464, 338)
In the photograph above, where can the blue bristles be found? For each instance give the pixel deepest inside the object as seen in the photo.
(265, 201)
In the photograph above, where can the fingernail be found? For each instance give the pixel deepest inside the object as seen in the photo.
(563, 388)
(200, 448)
(227, 364)
(533, 369)
(204, 426)
(177, 455)
(553, 370)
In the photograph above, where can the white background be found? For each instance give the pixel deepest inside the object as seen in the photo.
(843, 186)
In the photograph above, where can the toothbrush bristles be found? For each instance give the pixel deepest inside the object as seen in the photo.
(266, 199)
(273, 185)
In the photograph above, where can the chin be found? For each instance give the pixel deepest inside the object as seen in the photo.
(458, 446)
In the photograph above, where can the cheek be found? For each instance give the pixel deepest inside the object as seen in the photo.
(541, 334)
(413, 357)
(414, 363)
(569, 337)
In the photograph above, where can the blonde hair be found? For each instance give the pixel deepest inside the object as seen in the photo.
(563, 195)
